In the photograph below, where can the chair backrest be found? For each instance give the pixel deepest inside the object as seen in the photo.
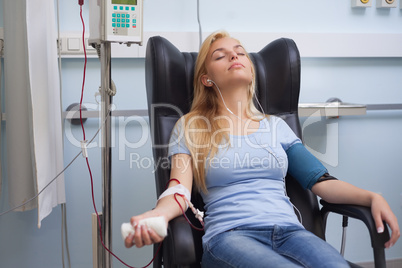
(169, 83)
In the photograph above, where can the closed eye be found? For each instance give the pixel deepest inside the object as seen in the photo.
(222, 56)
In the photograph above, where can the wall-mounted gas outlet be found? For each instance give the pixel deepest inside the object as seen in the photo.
(361, 3)
(386, 3)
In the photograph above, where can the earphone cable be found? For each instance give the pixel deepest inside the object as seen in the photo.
(271, 153)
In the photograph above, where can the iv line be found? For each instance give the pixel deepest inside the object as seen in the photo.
(199, 23)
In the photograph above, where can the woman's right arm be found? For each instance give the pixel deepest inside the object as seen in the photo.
(181, 169)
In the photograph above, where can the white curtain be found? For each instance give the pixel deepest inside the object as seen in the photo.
(33, 109)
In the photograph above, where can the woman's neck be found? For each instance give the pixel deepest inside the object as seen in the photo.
(233, 103)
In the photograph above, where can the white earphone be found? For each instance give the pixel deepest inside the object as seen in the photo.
(267, 149)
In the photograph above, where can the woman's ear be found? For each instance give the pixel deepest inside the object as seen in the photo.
(206, 81)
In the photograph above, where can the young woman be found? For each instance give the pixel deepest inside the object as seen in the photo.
(237, 157)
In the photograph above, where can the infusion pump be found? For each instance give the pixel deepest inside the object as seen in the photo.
(115, 21)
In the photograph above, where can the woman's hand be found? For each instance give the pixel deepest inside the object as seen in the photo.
(143, 235)
(382, 212)
(340, 192)
(168, 206)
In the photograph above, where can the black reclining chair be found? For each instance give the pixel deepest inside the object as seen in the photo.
(169, 84)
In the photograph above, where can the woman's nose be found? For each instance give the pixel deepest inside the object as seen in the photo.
(233, 56)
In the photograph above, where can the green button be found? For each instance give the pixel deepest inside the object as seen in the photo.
(115, 7)
(123, 15)
(127, 8)
(114, 15)
(118, 15)
(118, 24)
(123, 25)
(128, 25)
(121, 8)
(133, 8)
(128, 16)
(114, 20)
(114, 24)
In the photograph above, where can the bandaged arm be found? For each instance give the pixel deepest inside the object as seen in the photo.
(177, 189)
(305, 167)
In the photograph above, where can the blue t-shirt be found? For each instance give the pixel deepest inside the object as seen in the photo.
(245, 179)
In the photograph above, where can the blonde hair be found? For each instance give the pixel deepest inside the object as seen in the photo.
(202, 126)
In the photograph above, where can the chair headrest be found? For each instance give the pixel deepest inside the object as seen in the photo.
(170, 74)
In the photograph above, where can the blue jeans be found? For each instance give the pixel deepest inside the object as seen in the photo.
(270, 247)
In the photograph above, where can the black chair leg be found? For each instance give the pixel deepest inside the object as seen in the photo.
(379, 258)
(158, 258)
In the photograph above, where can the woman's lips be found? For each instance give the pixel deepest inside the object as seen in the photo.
(236, 65)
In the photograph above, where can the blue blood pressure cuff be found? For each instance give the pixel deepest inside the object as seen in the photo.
(305, 167)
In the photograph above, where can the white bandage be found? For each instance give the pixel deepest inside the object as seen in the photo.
(177, 189)
(158, 224)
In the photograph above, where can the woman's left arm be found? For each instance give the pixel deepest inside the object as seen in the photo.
(340, 192)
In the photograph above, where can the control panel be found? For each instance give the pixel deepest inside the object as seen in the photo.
(116, 21)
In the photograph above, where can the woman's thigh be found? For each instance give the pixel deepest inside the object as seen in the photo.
(306, 248)
(243, 248)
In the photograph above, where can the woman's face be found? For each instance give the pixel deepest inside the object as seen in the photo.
(228, 64)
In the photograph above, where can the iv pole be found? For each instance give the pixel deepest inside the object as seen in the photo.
(100, 9)
(106, 101)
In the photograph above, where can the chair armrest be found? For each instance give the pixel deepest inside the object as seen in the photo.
(183, 243)
(361, 213)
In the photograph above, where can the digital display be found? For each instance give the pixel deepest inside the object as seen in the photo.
(125, 2)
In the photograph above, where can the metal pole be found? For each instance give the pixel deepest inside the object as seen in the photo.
(106, 101)
(344, 229)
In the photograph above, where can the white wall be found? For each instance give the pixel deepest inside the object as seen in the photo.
(368, 146)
